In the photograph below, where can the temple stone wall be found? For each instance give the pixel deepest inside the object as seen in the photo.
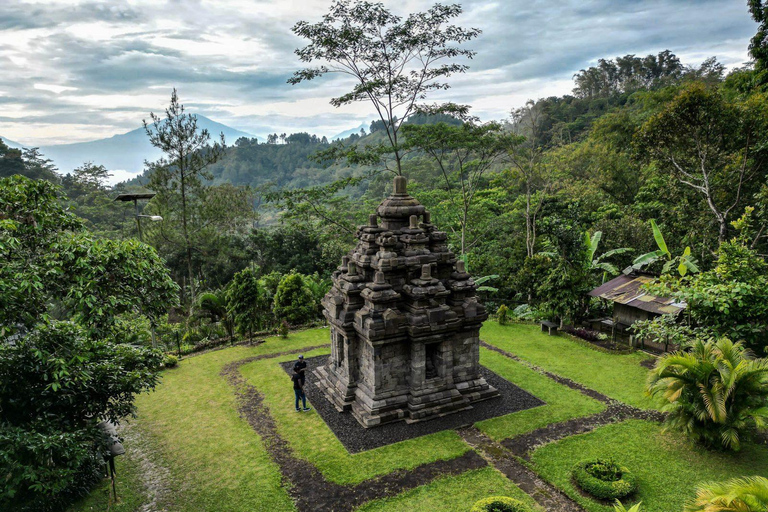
(405, 322)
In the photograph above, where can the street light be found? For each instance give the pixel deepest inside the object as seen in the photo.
(135, 198)
(155, 218)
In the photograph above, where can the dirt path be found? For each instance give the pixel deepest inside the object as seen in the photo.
(322, 495)
(155, 477)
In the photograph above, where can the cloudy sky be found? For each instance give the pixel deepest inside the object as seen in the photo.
(76, 70)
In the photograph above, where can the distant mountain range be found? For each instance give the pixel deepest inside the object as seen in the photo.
(347, 133)
(122, 154)
(11, 144)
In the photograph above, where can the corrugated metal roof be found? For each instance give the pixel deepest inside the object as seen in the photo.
(628, 290)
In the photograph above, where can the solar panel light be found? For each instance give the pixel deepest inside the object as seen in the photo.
(151, 217)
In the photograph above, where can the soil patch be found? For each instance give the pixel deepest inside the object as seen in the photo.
(648, 363)
(356, 438)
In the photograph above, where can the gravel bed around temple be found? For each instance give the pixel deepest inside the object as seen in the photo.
(355, 438)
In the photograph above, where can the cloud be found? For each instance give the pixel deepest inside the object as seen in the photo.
(69, 65)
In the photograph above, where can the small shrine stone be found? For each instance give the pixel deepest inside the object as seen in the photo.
(404, 322)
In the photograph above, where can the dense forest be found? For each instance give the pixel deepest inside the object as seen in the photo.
(650, 165)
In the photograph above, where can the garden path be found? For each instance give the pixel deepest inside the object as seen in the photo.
(312, 491)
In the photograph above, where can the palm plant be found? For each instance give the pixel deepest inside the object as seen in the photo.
(214, 306)
(685, 263)
(717, 392)
(748, 494)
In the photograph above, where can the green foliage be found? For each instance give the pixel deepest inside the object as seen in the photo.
(685, 262)
(45, 468)
(246, 304)
(711, 145)
(56, 384)
(604, 479)
(58, 379)
(747, 494)
(502, 314)
(170, 361)
(716, 392)
(293, 301)
(619, 507)
(730, 299)
(283, 330)
(500, 504)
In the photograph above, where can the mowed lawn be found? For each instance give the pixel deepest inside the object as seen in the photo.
(213, 460)
(668, 466)
(619, 376)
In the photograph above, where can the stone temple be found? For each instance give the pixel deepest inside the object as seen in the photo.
(404, 320)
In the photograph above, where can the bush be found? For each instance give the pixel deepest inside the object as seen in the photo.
(293, 300)
(716, 392)
(282, 331)
(502, 314)
(170, 361)
(604, 479)
(500, 504)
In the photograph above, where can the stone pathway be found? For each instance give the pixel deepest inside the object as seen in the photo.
(550, 498)
(507, 456)
(323, 495)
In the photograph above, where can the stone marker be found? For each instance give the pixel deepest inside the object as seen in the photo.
(404, 320)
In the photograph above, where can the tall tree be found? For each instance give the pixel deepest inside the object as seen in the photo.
(712, 145)
(187, 155)
(394, 62)
(530, 173)
(463, 154)
(758, 46)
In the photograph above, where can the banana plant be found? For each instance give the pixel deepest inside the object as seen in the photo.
(686, 262)
(597, 263)
(482, 287)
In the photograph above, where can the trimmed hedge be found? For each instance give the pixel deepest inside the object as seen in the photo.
(604, 479)
(500, 504)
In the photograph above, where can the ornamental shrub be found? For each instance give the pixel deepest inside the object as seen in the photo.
(503, 314)
(604, 479)
(715, 392)
(170, 361)
(500, 504)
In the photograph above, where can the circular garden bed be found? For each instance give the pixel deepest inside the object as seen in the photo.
(604, 479)
(500, 504)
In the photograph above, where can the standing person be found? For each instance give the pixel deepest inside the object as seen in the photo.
(298, 390)
(301, 367)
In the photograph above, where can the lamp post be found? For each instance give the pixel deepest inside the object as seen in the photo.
(155, 218)
(135, 198)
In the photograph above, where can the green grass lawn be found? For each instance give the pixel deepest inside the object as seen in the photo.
(130, 492)
(618, 376)
(451, 494)
(191, 426)
(668, 466)
(216, 460)
(562, 403)
(313, 441)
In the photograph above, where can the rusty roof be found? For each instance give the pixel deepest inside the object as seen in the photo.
(628, 290)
